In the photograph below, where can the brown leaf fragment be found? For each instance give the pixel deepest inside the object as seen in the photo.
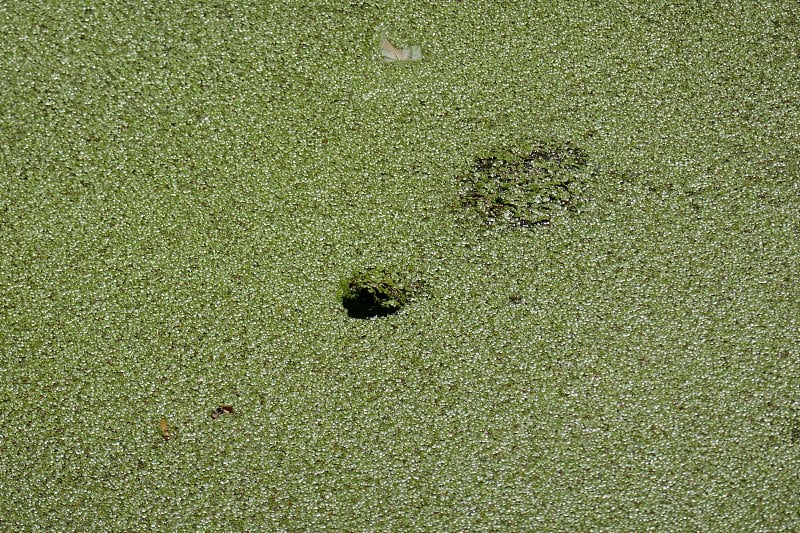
(166, 434)
(391, 52)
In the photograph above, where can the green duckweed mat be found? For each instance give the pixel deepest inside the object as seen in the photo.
(184, 185)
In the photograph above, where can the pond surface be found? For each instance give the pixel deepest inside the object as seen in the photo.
(184, 187)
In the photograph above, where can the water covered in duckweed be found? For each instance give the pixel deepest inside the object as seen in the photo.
(184, 187)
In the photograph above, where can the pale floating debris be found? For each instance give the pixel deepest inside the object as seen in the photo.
(392, 53)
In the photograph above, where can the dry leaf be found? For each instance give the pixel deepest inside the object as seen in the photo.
(392, 53)
(166, 434)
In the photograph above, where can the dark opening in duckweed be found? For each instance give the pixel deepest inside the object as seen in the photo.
(524, 187)
(374, 292)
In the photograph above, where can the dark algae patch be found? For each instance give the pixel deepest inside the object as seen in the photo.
(524, 186)
(374, 292)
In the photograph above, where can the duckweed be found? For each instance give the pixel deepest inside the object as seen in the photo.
(184, 184)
